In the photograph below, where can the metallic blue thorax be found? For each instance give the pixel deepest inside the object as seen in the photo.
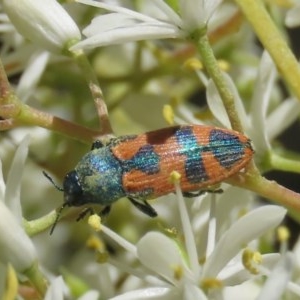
(100, 176)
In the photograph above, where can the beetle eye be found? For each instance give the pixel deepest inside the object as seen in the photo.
(72, 185)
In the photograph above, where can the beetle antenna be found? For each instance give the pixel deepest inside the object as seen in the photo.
(52, 181)
(62, 207)
(58, 213)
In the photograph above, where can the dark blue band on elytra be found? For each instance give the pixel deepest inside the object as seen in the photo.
(145, 160)
(226, 147)
(194, 168)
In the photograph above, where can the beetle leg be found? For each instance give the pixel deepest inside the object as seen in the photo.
(86, 211)
(199, 193)
(105, 211)
(97, 144)
(144, 207)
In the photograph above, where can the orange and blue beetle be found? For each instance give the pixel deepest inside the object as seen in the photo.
(139, 166)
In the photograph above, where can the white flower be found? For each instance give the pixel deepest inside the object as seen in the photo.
(45, 23)
(56, 290)
(175, 271)
(32, 74)
(277, 282)
(261, 125)
(16, 247)
(292, 16)
(124, 25)
(164, 257)
(90, 295)
(288, 266)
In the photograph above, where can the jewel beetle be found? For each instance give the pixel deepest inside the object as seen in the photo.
(139, 166)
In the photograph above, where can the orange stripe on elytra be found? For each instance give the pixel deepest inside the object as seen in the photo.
(135, 181)
(213, 169)
(127, 149)
(202, 135)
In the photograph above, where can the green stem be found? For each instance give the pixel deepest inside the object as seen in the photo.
(23, 114)
(16, 113)
(36, 226)
(284, 164)
(96, 91)
(212, 67)
(268, 189)
(37, 279)
(273, 41)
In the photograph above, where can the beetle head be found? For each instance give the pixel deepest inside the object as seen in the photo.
(73, 193)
